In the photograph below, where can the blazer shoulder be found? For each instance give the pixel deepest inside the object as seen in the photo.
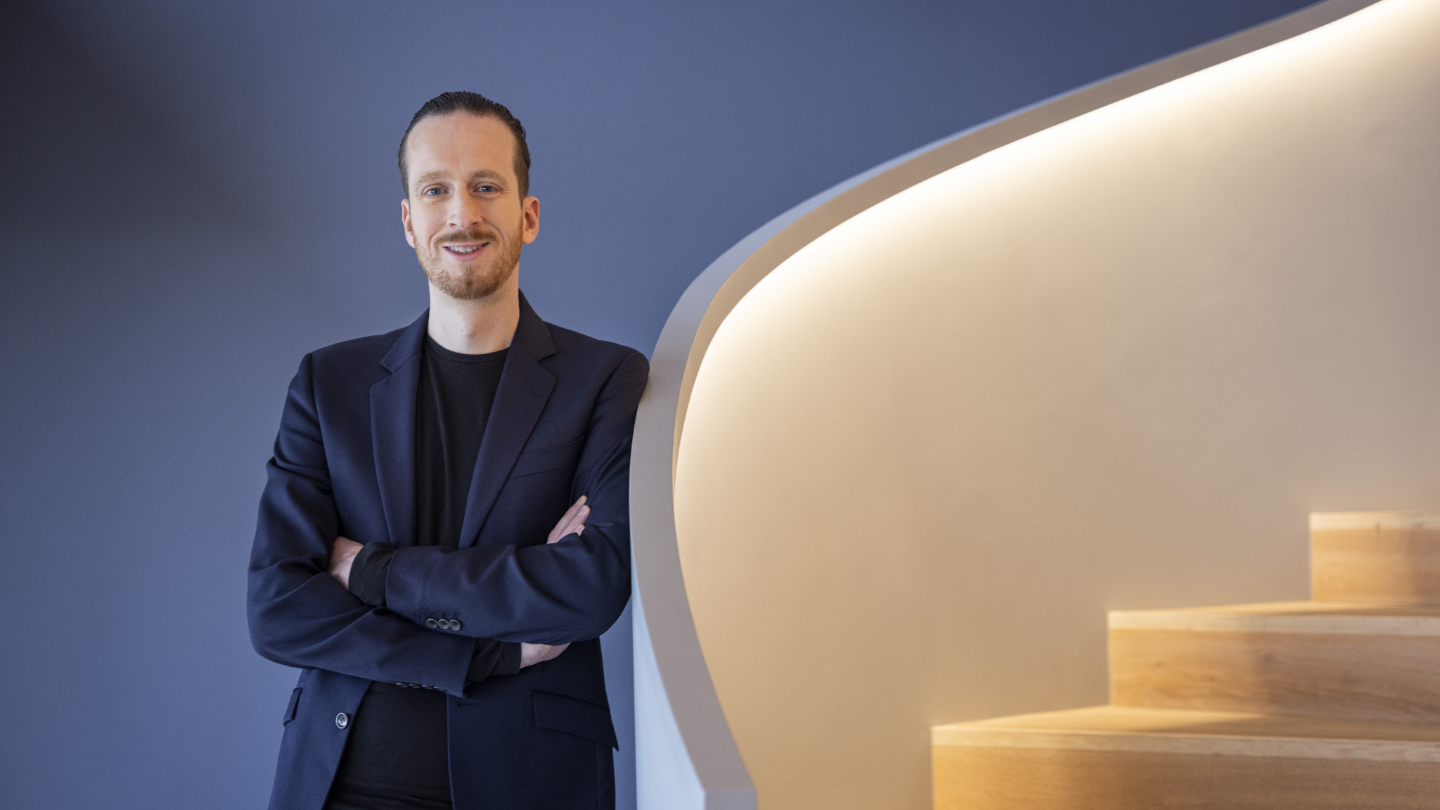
(355, 354)
(572, 346)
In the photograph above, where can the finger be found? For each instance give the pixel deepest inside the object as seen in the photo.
(578, 524)
(562, 528)
(576, 515)
(567, 518)
(575, 525)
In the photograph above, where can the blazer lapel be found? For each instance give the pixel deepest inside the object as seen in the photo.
(525, 387)
(392, 431)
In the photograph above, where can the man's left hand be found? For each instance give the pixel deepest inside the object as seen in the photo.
(342, 556)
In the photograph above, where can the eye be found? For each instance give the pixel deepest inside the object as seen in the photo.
(433, 191)
(487, 188)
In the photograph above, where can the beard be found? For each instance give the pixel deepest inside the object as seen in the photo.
(478, 280)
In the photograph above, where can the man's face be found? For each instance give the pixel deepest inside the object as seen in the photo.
(464, 214)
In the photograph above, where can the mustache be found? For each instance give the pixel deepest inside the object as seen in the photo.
(467, 235)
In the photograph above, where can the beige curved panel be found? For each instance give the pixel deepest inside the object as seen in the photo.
(933, 425)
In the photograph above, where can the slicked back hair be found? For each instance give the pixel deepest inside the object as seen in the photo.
(475, 104)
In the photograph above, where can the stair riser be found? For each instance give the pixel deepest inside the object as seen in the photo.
(977, 778)
(1376, 566)
(1352, 677)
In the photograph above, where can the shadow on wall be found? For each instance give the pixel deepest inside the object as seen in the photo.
(139, 402)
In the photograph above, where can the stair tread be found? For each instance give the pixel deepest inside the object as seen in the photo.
(1180, 731)
(1395, 519)
(1288, 617)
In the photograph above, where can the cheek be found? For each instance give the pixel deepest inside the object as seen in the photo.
(421, 230)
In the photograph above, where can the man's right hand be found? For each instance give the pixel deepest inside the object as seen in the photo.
(531, 654)
(572, 522)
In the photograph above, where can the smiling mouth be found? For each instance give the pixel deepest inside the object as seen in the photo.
(464, 250)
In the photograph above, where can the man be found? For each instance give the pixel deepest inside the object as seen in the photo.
(408, 556)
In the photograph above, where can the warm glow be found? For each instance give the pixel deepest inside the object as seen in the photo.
(1110, 365)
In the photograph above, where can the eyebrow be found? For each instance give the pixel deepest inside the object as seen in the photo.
(483, 174)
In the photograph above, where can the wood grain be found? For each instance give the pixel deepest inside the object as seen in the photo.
(1119, 728)
(1382, 678)
(1110, 758)
(977, 778)
(1393, 561)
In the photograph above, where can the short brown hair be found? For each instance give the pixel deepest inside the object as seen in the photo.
(475, 104)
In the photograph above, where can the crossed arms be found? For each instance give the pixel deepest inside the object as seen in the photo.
(550, 594)
(345, 550)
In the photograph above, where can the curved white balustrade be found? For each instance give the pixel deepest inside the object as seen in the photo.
(908, 442)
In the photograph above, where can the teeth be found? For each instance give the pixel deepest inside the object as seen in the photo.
(465, 249)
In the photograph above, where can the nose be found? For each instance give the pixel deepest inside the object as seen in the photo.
(464, 211)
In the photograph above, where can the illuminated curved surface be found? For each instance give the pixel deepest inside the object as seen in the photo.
(1026, 208)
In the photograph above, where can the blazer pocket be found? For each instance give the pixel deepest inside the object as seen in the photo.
(561, 713)
(554, 457)
(293, 707)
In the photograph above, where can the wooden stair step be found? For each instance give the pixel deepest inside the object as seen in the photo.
(1118, 758)
(1375, 557)
(1343, 661)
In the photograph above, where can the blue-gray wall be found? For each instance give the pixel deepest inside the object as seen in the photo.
(195, 194)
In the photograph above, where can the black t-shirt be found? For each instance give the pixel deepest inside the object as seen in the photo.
(396, 757)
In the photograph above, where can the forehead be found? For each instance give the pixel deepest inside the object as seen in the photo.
(461, 144)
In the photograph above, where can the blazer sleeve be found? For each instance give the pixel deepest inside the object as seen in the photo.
(557, 593)
(298, 614)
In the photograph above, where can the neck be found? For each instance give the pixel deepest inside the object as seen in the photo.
(478, 326)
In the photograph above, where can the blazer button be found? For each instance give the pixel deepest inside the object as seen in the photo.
(454, 624)
(342, 720)
(431, 623)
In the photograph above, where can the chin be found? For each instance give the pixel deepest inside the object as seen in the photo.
(469, 285)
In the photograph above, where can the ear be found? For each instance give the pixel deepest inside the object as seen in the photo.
(529, 219)
(405, 220)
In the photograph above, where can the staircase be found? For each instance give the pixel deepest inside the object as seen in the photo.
(1333, 703)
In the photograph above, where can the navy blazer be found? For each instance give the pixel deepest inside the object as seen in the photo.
(344, 464)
